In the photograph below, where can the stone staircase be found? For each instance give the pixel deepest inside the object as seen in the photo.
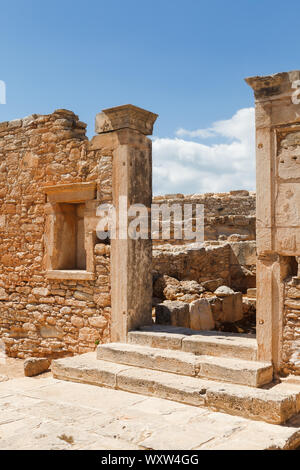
(215, 370)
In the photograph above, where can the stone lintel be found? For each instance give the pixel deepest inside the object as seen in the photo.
(271, 86)
(71, 192)
(126, 116)
(70, 275)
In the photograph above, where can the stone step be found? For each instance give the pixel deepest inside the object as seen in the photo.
(253, 403)
(211, 343)
(239, 371)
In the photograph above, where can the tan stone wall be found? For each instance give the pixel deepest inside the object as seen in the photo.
(225, 214)
(40, 316)
(291, 328)
(234, 263)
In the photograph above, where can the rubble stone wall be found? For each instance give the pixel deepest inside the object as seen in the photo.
(291, 328)
(234, 263)
(225, 214)
(40, 316)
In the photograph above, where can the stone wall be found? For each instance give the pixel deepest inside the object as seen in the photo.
(48, 307)
(234, 263)
(40, 316)
(226, 214)
(291, 327)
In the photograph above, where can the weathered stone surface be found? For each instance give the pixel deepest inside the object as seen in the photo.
(35, 366)
(3, 294)
(173, 313)
(213, 284)
(224, 214)
(47, 158)
(55, 416)
(251, 373)
(251, 293)
(201, 317)
(221, 345)
(232, 307)
(210, 343)
(166, 287)
(223, 291)
(265, 405)
(278, 218)
(56, 277)
(155, 337)
(173, 361)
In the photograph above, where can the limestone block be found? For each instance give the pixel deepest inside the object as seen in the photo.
(173, 313)
(3, 294)
(213, 284)
(232, 307)
(287, 204)
(88, 334)
(216, 307)
(35, 366)
(201, 317)
(40, 291)
(50, 332)
(162, 283)
(223, 291)
(294, 293)
(98, 322)
(77, 321)
(251, 293)
(103, 299)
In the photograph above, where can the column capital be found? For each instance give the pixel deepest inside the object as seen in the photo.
(270, 86)
(126, 116)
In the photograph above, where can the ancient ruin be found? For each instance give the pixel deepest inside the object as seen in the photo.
(216, 325)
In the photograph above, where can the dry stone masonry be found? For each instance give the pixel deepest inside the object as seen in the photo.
(227, 216)
(55, 278)
(55, 275)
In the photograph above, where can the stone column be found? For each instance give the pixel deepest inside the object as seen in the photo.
(126, 127)
(278, 201)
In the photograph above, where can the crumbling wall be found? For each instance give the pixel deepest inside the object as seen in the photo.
(186, 263)
(225, 214)
(40, 316)
(234, 263)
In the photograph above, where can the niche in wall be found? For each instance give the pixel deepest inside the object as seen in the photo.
(70, 249)
(68, 236)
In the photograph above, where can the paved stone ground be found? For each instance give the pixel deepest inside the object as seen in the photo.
(46, 413)
(12, 368)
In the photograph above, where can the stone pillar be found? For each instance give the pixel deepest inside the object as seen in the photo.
(126, 128)
(278, 202)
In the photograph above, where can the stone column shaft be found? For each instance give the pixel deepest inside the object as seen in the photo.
(131, 260)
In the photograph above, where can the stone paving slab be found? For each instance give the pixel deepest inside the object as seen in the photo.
(53, 414)
(274, 407)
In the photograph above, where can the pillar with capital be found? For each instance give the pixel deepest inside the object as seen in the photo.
(278, 203)
(125, 129)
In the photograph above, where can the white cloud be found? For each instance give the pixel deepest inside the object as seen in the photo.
(189, 166)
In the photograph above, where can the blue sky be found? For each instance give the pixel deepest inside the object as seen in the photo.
(185, 60)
